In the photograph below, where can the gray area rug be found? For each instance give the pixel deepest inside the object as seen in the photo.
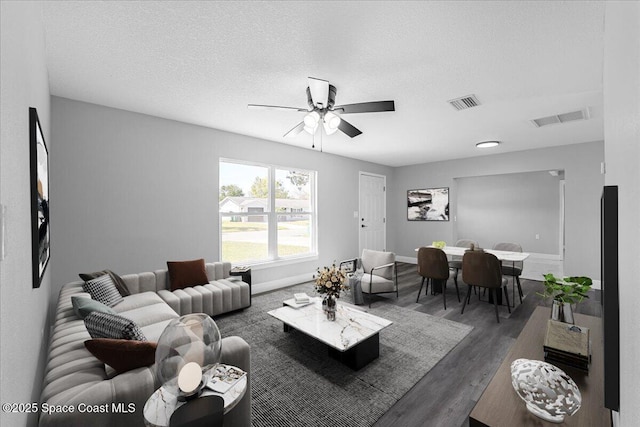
(296, 383)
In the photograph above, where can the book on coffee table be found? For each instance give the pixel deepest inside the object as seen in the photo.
(301, 298)
(291, 302)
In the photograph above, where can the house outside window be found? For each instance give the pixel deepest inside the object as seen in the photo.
(267, 213)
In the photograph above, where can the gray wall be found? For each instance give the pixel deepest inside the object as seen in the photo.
(24, 333)
(132, 191)
(622, 156)
(509, 208)
(581, 163)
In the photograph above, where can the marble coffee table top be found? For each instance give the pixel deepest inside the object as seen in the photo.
(350, 327)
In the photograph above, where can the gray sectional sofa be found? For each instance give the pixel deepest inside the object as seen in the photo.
(73, 376)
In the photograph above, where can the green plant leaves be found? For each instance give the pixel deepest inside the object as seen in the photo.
(569, 290)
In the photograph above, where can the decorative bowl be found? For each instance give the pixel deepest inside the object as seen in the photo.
(548, 391)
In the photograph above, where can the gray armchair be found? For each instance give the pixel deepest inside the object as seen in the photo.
(380, 273)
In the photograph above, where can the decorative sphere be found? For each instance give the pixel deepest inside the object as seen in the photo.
(186, 341)
(547, 390)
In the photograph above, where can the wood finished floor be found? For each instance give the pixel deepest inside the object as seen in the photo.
(448, 393)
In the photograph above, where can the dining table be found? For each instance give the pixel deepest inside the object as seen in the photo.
(508, 256)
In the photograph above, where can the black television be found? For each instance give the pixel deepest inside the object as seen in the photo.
(610, 297)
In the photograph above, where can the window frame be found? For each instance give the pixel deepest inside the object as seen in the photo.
(272, 215)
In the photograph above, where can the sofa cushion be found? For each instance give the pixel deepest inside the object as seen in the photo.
(106, 325)
(104, 290)
(122, 355)
(85, 306)
(117, 280)
(183, 274)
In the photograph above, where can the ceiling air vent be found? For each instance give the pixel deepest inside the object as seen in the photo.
(562, 118)
(464, 102)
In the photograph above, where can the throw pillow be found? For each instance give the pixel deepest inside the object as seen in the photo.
(183, 274)
(85, 306)
(107, 325)
(117, 280)
(122, 355)
(104, 290)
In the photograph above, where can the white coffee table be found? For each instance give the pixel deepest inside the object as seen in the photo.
(353, 338)
(162, 404)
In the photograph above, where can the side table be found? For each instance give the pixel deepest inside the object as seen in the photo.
(245, 274)
(162, 403)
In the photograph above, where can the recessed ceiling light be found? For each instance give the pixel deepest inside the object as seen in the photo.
(487, 144)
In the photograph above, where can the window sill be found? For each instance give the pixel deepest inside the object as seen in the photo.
(281, 262)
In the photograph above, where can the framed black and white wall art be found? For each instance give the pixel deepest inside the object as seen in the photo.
(39, 166)
(429, 204)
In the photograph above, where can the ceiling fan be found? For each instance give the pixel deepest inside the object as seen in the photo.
(321, 97)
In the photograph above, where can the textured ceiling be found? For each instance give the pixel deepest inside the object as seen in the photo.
(203, 62)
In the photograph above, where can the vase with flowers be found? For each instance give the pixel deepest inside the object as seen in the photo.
(330, 281)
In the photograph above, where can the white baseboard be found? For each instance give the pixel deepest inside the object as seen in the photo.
(272, 285)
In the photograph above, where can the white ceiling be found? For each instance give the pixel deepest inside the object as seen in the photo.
(203, 62)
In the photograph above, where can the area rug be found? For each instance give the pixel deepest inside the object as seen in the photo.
(295, 382)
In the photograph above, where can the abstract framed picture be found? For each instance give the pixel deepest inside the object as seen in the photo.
(39, 167)
(429, 204)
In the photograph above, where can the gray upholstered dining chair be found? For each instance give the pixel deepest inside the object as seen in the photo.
(380, 273)
(456, 261)
(483, 269)
(433, 265)
(513, 269)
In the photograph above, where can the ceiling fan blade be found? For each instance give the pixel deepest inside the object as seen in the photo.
(349, 129)
(319, 92)
(295, 131)
(366, 107)
(273, 107)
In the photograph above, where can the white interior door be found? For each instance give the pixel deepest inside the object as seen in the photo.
(372, 220)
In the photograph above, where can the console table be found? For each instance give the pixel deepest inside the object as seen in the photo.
(500, 406)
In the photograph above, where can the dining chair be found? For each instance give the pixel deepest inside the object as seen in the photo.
(433, 265)
(513, 269)
(456, 261)
(380, 273)
(483, 269)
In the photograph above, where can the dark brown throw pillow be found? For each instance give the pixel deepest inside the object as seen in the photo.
(183, 274)
(122, 355)
(117, 280)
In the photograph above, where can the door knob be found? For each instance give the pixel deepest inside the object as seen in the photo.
(363, 226)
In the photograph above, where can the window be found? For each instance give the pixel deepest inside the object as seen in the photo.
(267, 213)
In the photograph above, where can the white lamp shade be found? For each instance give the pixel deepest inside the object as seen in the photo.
(310, 130)
(311, 120)
(332, 121)
(328, 129)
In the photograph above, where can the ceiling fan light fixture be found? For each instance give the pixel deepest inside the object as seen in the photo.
(487, 144)
(311, 120)
(332, 121)
(328, 129)
(311, 129)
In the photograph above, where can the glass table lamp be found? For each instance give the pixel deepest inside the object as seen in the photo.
(187, 350)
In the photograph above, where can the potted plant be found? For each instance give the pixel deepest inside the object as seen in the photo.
(565, 292)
